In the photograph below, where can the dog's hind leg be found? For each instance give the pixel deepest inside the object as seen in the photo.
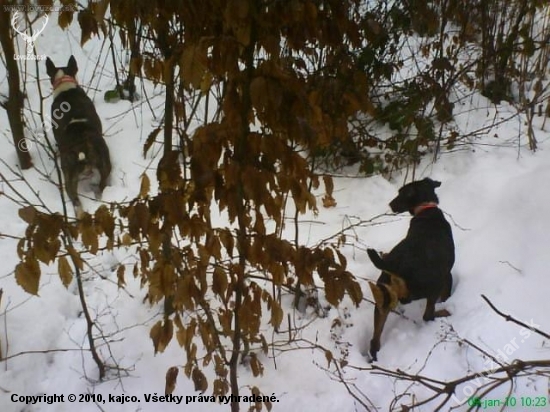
(430, 313)
(380, 316)
(98, 190)
(381, 310)
(71, 185)
(104, 173)
(447, 288)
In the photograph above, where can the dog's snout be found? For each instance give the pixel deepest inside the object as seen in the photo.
(398, 206)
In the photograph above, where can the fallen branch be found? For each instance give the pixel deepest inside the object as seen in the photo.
(510, 318)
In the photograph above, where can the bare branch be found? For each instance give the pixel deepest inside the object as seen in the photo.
(510, 318)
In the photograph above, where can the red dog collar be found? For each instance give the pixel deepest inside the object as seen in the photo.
(424, 206)
(64, 79)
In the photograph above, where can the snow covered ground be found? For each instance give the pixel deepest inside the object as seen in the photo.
(495, 193)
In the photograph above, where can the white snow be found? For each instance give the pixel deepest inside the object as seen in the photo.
(495, 192)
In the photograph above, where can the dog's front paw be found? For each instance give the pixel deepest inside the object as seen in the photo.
(372, 358)
(373, 351)
(376, 259)
(373, 254)
(442, 313)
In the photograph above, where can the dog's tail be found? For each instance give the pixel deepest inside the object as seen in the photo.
(378, 261)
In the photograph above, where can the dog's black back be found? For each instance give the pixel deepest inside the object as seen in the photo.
(81, 108)
(78, 131)
(424, 255)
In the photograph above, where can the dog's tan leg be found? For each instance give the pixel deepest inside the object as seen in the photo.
(380, 316)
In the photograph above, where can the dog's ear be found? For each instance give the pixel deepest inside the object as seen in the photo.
(50, 68)
(433, 183)
(72, 67)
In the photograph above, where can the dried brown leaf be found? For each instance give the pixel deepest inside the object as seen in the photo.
(201, 384)
(161, 334)
(328, 357)
(90, 238)
(126, 239)
(65, 18)
(219, 282)
(105, 221)
(28, 214)
(276, 314)
(221, 387)
(27, 275)
(145, 186)
(88, 26)
(150, 139)
(65, 271)
(171, 378)
(192, 63)
(120, 276)
(256, 365)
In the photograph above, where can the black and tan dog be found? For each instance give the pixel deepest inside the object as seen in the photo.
(418, 267)
(78, 132)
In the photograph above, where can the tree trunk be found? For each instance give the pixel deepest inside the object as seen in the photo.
(169, 106)
(14, 105)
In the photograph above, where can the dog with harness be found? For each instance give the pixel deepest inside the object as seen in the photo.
(78, 133)
(419, 266)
